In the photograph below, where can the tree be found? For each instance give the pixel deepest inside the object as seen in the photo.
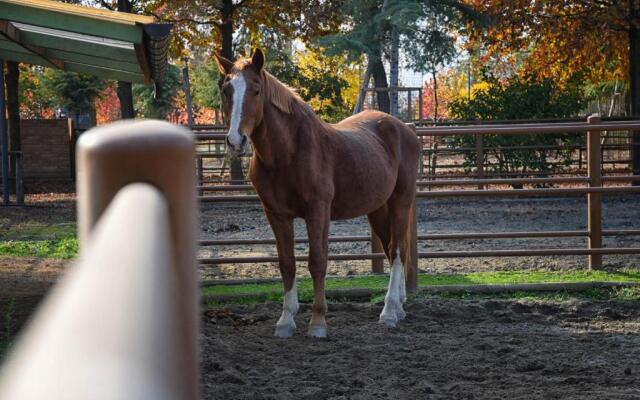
(520, 98)
(418, 28)
(600, 39)
(150, 105)
(76, 93)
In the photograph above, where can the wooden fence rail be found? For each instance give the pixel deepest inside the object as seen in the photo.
(123, 323)
(594, 192)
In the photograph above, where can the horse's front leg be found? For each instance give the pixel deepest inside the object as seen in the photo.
(283, 230)
(318, 221)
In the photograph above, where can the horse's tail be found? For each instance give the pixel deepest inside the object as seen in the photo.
(411, 247)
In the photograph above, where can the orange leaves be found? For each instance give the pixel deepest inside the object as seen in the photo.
(560, 38)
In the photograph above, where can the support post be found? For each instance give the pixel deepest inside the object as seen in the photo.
(409, 110)
(19, 185)
(377, 265)
(594, 200)
(480, 158)
(5, 139)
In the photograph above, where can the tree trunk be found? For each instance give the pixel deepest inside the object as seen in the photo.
(393, 70)
(365, 84)
(435, 95)
(226, 32)
(13, 111)
(125, 95)
(634, 75)
(380, 80)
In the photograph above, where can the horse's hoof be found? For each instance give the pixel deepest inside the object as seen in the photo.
(318, 331)
(285, 331)
(389, 320)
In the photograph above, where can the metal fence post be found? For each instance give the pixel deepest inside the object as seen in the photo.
(411, 282)
(594, 200)
(162, 155)
(480, 157)
(200, 171)
(377, 265)
(412, 262)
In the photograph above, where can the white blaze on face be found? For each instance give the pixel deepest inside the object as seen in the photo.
(239, 89)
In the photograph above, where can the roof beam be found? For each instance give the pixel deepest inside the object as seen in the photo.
(12, 33)
(55, 39)
(67, 20)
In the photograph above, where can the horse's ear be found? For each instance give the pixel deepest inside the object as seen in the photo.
(225, 66)
(257, 59)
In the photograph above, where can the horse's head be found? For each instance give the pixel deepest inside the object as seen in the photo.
(242, 98)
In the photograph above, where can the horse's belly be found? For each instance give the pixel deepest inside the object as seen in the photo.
(361, 197)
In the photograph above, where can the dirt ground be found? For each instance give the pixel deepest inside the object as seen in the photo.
(224, 221)
(446, 349)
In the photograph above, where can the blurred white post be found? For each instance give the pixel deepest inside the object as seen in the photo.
(123, 323)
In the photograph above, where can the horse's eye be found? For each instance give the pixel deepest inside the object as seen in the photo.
(256, 92)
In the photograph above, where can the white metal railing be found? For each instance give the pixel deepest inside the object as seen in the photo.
(123, 323)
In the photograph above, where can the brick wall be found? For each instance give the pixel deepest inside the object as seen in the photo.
(46, 151)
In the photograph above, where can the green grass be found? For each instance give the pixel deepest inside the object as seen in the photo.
(65, 248)
(37, 231)
(252, 293)
(31, 239)
(614, 294)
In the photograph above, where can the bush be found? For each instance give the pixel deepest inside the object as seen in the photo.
(520, 98)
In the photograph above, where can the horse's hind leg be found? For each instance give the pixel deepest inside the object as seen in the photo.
(399, 208)
(379, 221)
(283, 231)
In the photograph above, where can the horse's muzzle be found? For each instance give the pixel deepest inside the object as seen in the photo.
(237, 150)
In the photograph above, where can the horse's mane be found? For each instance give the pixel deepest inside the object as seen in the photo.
(279, 94)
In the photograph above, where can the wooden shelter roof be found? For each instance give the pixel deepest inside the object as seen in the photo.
(108, 44)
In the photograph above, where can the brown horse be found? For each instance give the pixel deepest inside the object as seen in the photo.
(305, 168)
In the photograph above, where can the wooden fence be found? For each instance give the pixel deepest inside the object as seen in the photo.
(123, 323)
(593, 188)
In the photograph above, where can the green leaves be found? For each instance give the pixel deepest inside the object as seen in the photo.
(520, 98)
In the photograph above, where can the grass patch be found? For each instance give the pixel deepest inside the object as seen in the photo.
(252, 293)
(65, 248)
(611, 294)
(37, 232)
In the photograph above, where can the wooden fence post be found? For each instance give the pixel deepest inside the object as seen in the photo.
(594, 200)
(162, 155)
